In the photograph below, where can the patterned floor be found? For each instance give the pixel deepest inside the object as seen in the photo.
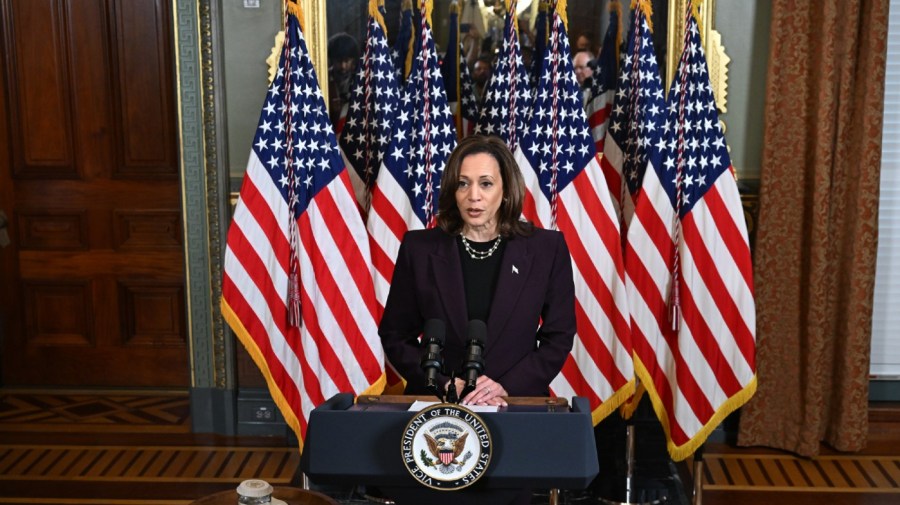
(147, 464)
(122, 413)
(832, 474)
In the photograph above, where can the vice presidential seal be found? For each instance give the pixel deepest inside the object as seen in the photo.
(446, 447)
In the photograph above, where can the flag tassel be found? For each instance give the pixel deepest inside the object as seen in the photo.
(293, 301)
(674, 305)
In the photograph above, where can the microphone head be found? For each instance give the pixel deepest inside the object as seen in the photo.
(477, 330)
(434, 331)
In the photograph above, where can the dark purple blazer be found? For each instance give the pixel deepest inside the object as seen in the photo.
(530, 326)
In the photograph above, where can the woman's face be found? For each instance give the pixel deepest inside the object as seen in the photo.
(479, 193)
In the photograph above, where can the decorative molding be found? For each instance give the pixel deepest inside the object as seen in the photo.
(194, 188)
(211, 125)
(203, 195)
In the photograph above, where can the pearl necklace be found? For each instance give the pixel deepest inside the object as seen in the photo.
(480, 255)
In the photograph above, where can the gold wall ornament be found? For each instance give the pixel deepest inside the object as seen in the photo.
(273, 58)
(716, 58)
(717, 61)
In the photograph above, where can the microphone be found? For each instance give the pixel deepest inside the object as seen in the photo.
(432, 362)
(474, 363)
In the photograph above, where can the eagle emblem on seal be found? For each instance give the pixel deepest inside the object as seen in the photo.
(446, 449)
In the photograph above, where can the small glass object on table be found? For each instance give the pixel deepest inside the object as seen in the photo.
(254, 492)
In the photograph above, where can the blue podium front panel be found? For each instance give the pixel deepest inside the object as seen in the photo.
(536, 443)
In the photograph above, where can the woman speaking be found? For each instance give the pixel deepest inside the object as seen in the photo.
(482, 263)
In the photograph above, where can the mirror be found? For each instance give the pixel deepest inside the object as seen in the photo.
(482, 24)
(248, 36)
(587, 20)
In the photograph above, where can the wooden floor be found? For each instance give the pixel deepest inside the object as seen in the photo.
(137, 448)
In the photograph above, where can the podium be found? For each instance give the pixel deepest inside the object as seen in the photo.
(537, 443)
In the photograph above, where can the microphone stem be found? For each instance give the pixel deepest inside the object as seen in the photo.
(435, 390)
(451, 390)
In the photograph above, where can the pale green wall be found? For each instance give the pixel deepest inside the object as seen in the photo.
(248, 36)
(745, 34)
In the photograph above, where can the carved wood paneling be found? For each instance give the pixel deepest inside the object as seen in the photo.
(102, 208)
(90, 87)
(100, 263)
(43, 230)
(40, 102)
(144, 89)
(148, 229)
(58, 313)
(152, 314)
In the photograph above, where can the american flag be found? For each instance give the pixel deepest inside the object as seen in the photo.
(296, 221)
(689, 271)
(508, 97)
(405, 196)
(374, 99)
(400, 51)
(603, 84)
(567, 191)
(540, 44)
(634, 134)
(460, 88)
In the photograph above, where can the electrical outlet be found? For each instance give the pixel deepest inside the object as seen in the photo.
(264, 414)
(251, 4)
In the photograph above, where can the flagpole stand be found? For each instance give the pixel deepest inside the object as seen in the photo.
(698, 477)
(629, 461)
(634, 493)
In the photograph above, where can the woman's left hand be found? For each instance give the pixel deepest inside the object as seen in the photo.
(487, 392)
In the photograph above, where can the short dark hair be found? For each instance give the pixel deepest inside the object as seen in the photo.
(510, 212)
(342, 46)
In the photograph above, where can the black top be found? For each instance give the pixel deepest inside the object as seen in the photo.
(480, 276)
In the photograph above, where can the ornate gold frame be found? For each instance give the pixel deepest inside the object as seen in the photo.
(316, 32)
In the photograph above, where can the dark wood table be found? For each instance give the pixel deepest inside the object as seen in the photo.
(291, 495)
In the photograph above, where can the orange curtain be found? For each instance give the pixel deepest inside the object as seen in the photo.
(818, 225)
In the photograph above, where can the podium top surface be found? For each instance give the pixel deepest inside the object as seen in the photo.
(514, 404)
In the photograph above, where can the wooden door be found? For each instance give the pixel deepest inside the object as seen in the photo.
(93, 286)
